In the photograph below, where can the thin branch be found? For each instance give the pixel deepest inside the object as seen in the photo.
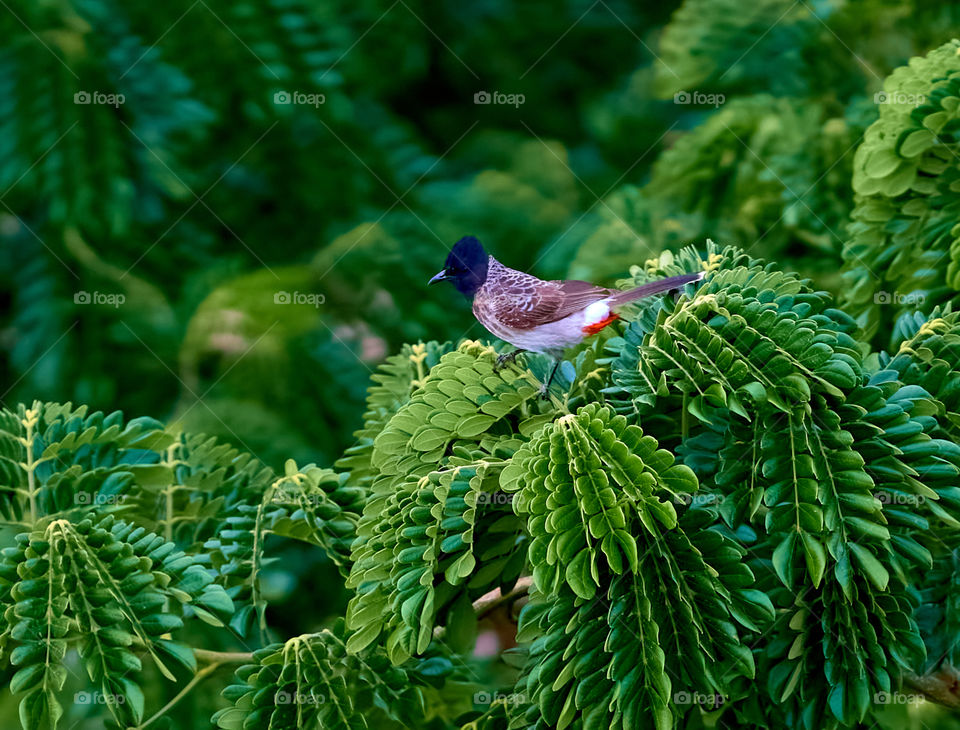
(223, 657)
(197, 678)
(489, 602)
(941, 686)
(31, 418)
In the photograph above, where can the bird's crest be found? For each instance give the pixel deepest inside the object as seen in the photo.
(466, 266)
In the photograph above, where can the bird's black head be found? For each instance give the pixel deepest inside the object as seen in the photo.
(466, 266)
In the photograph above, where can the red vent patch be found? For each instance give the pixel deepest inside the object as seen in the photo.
(592, 329)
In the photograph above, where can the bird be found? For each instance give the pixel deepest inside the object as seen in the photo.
(535, 315)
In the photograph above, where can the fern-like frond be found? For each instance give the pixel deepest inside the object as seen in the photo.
(589, 482)
(309, 504)
(110, 588)
(904, 175)
(312, 681)
(434, 505)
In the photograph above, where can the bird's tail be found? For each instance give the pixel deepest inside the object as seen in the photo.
(654, 287)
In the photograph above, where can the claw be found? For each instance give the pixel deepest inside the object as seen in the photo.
(504, 357)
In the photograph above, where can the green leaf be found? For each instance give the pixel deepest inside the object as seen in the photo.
(783, 559)
(816, 557)
(579, 576)
(871, 567)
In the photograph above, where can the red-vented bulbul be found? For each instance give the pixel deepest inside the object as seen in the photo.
(536, 315)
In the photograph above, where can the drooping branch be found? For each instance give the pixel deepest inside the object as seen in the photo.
(489, 602)
(941, 686)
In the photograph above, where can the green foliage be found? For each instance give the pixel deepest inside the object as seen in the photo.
(632, 648)
(731, 510)
(109, 561)
(195, 197)
(620, 534)
(311, 504)
(903, 250)
(720, 30)
(928, 358)
(400, 375)
(435, 505)
(311, 680)
(743, 502)
(589, 484)
(104, 586)
(198, 198)
(815, 492)
(762, 169)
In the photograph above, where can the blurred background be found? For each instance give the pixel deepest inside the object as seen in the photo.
(223, 213)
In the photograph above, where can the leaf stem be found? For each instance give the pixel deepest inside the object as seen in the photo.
(30, 420)
(223, 657)
(169, 458)
(197, 678)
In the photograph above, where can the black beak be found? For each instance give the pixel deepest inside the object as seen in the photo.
(442, 276)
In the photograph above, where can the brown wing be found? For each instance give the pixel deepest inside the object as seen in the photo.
(522, 301)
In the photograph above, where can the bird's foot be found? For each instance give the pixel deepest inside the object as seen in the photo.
(505, 357)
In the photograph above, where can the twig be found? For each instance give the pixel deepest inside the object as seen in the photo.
(489, 602)
(941, 686)
(197, 678)
(223, 657)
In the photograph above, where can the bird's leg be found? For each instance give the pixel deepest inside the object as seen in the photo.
(504, 357)
(545, 388)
